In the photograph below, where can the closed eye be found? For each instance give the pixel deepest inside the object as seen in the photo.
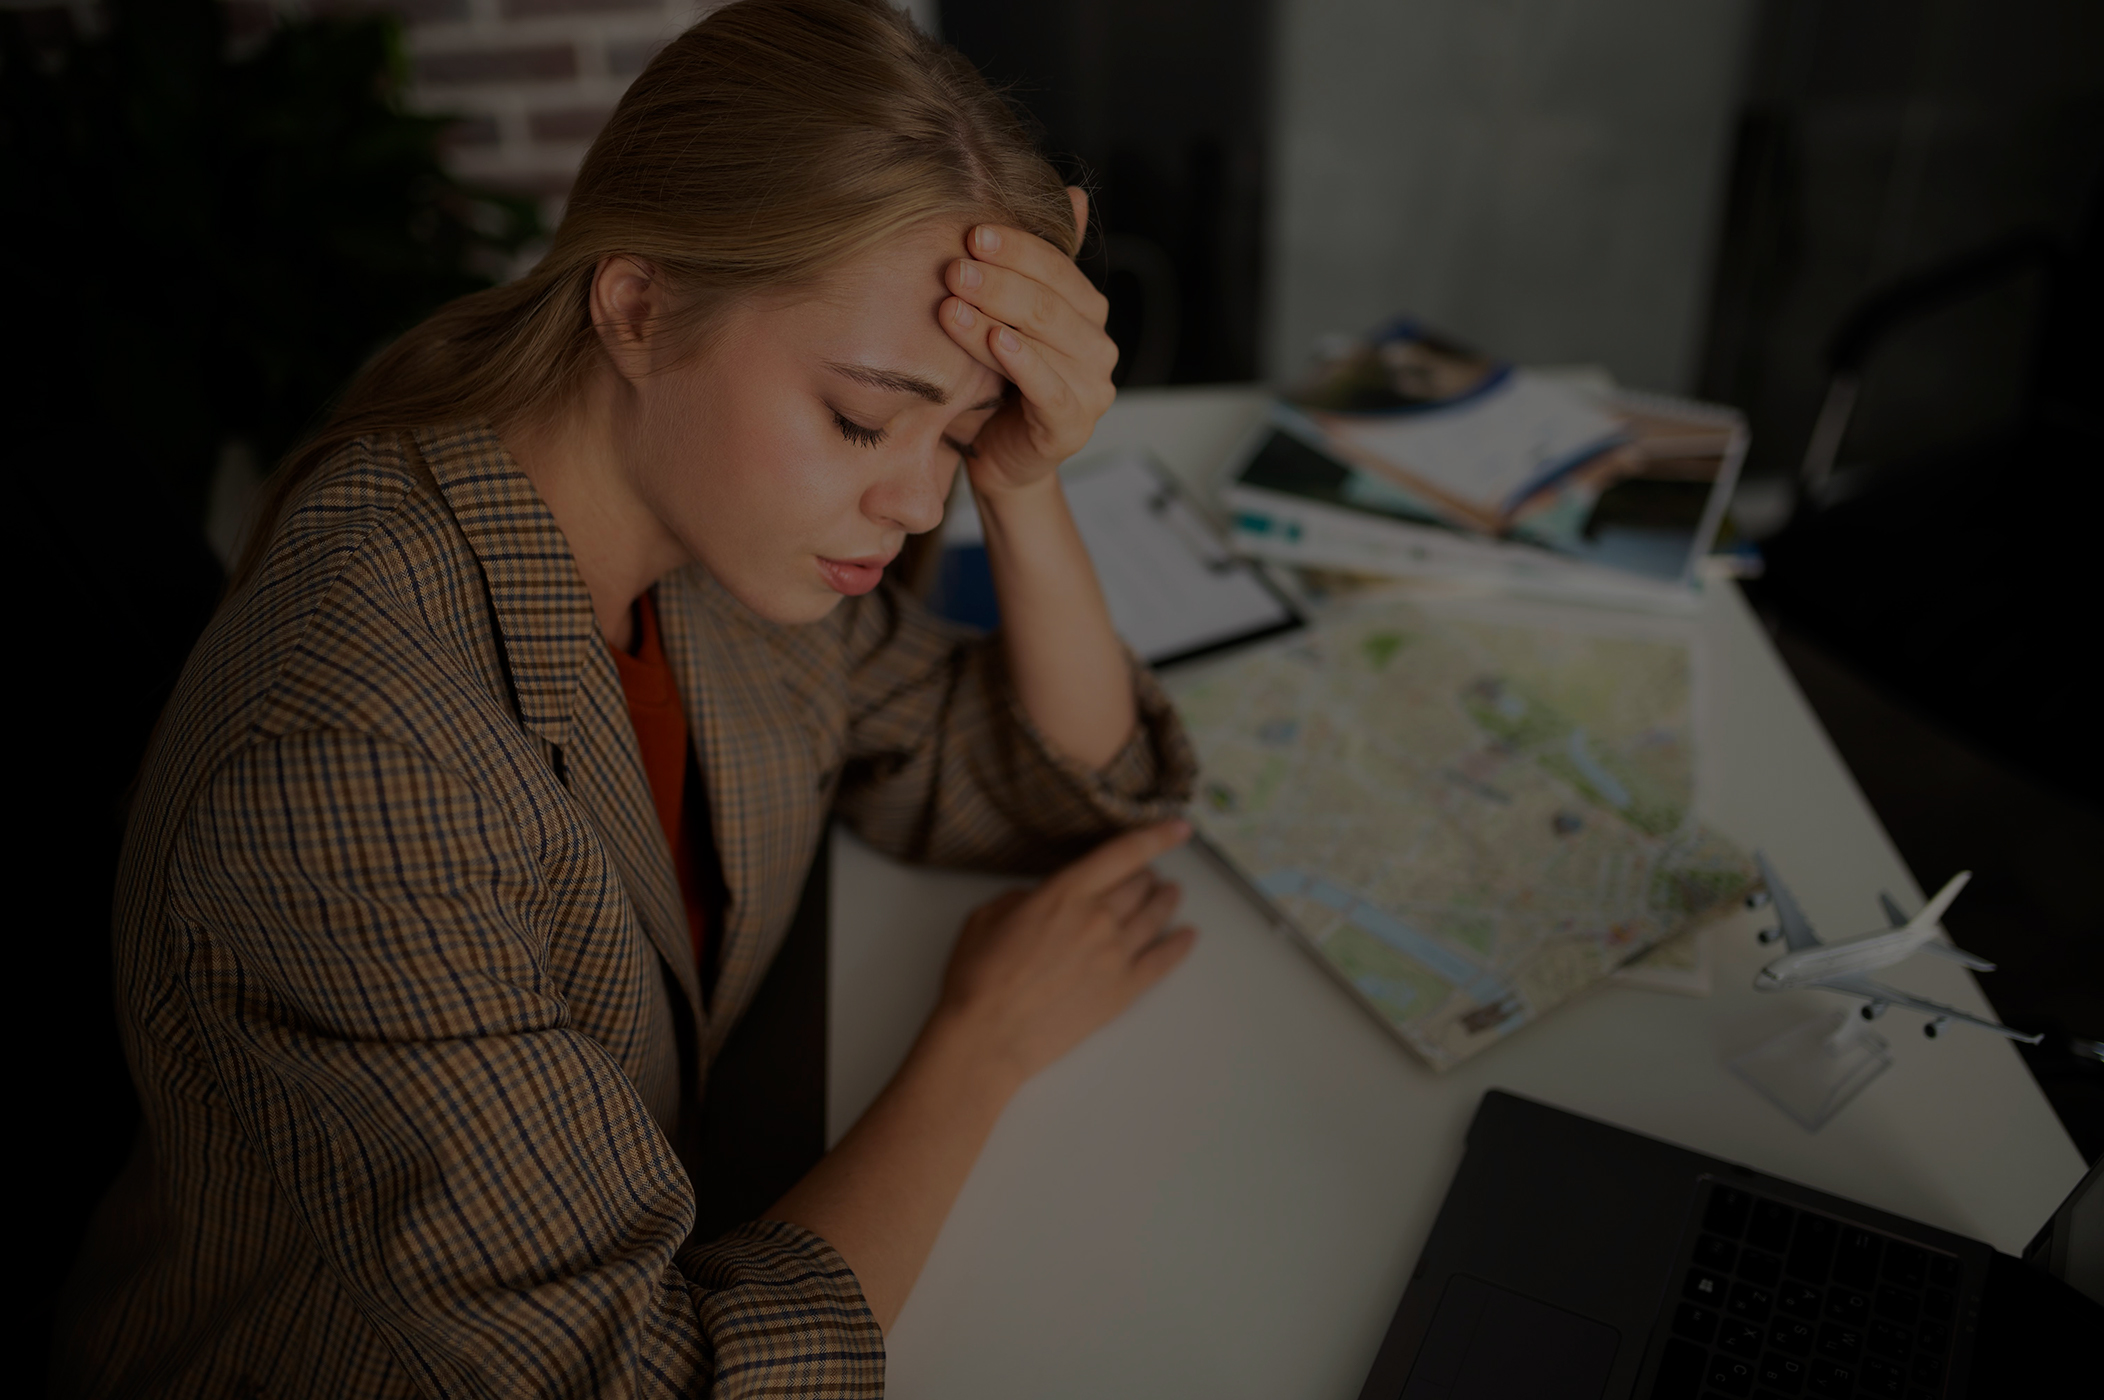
(854, 432)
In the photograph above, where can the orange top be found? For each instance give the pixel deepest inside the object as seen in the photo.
(661, 732)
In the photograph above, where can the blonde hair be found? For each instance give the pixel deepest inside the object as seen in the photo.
(763, 147)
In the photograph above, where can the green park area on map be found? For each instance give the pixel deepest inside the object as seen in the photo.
(1471, 818)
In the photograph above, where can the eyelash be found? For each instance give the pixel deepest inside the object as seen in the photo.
(854, 432)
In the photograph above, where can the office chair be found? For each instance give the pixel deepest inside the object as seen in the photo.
(1950, 576)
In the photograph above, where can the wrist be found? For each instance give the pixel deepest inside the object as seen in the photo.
(995, 493)
(968, 1059)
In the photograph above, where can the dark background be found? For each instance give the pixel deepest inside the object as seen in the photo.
(1877, 138)
(1159, 107)
(167, 249)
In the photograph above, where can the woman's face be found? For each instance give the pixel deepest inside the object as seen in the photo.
(794, 453)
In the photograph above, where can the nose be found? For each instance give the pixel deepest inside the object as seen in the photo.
(912, 496)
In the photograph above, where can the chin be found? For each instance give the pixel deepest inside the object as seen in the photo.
(785, 604)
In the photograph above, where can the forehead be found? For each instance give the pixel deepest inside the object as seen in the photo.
(879, 309)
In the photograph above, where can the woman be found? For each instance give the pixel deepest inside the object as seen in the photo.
(481, 808)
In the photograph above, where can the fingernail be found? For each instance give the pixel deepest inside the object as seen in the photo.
(968, 275)
(1008, 340)
(988, 239)
(965, 318)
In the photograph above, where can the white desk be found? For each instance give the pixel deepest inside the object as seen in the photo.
(1222, 1194)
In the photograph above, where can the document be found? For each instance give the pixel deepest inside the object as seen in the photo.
(1173, 589)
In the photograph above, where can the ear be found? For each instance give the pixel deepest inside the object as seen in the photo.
(628, 301)
(1079, 198)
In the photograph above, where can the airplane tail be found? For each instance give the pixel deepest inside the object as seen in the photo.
(1955, 954)
(1925, 921)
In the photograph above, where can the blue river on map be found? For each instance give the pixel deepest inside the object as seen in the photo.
(1480, 983)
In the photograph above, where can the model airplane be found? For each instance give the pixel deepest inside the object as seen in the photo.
(1844, 967)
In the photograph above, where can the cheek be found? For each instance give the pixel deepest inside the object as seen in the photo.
(785, 488)
(750, 484)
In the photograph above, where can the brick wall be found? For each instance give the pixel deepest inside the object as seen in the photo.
(531, 80)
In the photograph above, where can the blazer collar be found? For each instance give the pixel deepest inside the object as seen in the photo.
(542, 608)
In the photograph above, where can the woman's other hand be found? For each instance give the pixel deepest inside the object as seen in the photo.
(1036, 972)
(1023, 309)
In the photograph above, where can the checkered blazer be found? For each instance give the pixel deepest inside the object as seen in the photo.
(405, 979)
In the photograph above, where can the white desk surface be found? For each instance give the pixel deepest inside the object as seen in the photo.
(1222, 1194)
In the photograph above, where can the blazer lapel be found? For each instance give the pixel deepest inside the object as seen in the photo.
(567, 688)
(605, 767)
(762, 756)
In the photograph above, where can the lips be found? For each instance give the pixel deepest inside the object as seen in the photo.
(854, 577)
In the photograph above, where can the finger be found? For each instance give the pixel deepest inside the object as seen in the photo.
(1079, 198)
(1062, 399)
(1030, 255)
(969, 328)
(1024, 363)
(1025, 303)
(1121, 856)
(1125, 897)
(1148, 921)
(1158, 958)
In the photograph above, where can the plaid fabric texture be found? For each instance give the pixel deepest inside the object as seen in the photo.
(405, 979)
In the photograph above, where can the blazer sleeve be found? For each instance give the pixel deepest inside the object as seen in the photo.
(374, 998)
(944, 765)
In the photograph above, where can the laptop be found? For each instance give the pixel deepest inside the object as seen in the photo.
(1573, 1260)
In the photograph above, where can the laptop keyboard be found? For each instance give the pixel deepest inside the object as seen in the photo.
(1777, 1303)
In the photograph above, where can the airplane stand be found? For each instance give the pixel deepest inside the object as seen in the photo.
(1815, 1067)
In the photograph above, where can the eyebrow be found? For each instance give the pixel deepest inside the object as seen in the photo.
(898, 382)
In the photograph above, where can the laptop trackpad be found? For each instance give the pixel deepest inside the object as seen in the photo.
(1489, 1343)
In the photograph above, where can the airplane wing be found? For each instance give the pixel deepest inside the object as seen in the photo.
(1892, 996)
(1957, 955)
(1797, 929)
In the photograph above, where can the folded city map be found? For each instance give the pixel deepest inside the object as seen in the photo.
(1468, 812)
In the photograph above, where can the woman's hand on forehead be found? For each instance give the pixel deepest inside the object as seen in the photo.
(1022, 308)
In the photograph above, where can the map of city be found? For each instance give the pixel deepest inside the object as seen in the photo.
(1470, 820)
